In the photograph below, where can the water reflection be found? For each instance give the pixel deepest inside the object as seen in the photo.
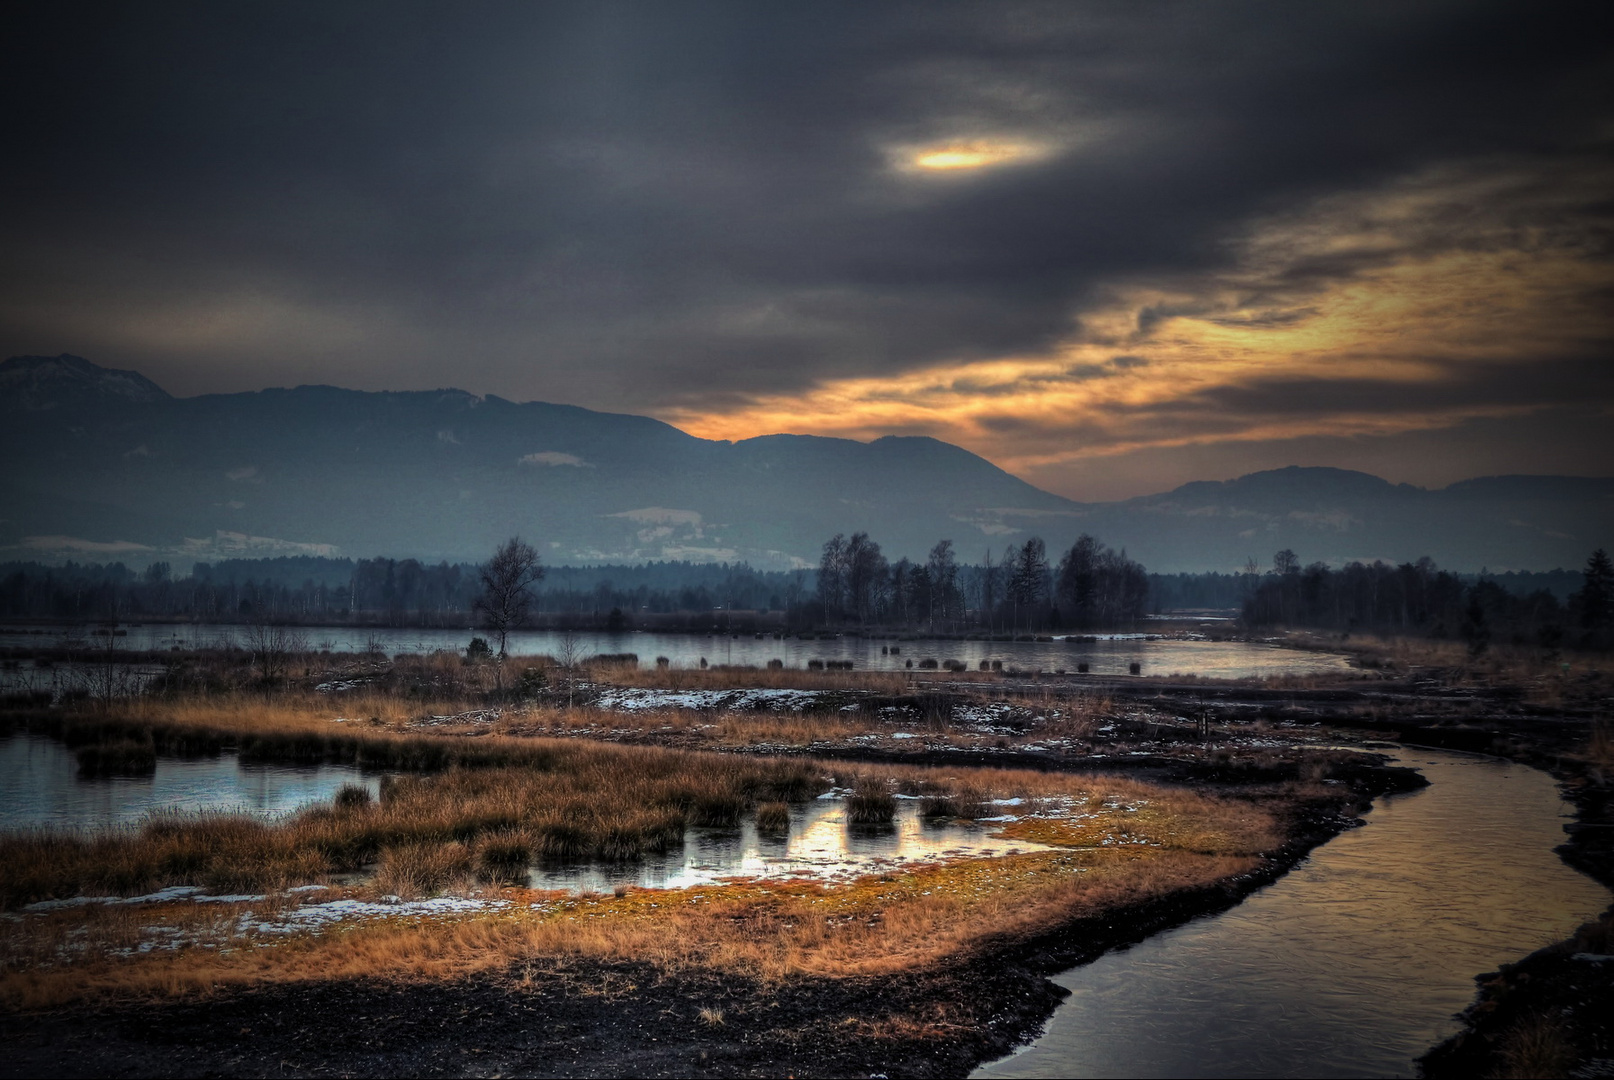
(1105, 656)
(1352, 964)
(40, 787)
(820, 846)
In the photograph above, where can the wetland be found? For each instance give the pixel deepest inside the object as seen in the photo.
(741, 869)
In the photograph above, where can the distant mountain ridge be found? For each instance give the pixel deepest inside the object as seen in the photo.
(105, 464)
(38, 383)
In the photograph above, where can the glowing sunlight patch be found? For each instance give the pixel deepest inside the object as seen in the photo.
(970, 155)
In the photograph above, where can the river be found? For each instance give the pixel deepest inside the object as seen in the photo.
(1352, 964)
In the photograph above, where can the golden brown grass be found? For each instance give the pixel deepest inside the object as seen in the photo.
(770, 930)
(510, 796)
(1117, 841)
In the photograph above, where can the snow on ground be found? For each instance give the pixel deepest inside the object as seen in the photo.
(337, 686)
(637, 698)
(314, 916)
(993, 717)
(161, 896)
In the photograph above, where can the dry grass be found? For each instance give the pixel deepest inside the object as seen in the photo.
(492, 805)
(562, 799)
(1536, 1047)
(770, 930)
(773, 817)
(473, 831)
(871, 803)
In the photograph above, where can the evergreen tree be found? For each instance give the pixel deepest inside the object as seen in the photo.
(1597, 594)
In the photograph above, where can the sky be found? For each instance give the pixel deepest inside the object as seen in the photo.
(1111, 247)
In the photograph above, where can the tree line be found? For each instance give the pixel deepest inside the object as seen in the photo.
(1421, 599)
(1090, 586)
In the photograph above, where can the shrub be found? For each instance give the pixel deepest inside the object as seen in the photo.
(479, 649)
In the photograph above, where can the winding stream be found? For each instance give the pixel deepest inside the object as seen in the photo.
(1355, 962)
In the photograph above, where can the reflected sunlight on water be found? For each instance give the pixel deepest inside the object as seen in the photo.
(1352, 964)
(820, 845)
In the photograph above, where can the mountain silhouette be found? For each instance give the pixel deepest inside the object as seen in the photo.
(104, 464)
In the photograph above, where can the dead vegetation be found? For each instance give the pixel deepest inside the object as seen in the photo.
(491, 806)
(546, 799)
(498, 775)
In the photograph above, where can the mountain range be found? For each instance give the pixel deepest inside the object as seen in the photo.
(104, 464)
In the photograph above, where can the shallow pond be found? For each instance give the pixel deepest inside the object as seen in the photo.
(1352, 964)
(40, 787)
(1110, 655)
(820, 846)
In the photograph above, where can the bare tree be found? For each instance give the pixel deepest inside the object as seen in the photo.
(506, 596)
(943, 569)
(569, 657)
(272, 645)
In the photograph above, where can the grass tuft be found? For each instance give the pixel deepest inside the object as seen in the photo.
(870, 803)
(773, 817)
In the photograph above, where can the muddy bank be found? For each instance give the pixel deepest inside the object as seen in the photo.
(587, 1018)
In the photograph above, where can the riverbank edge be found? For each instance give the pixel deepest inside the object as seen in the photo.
(1548, 1012)
(963, 1013)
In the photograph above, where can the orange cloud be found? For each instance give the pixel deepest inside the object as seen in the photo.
(1396, 310)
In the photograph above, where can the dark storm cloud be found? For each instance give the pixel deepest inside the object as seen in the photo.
(635, 207)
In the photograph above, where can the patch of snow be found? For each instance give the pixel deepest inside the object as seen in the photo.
(636, 699)
(314, 916)
(173, 892)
